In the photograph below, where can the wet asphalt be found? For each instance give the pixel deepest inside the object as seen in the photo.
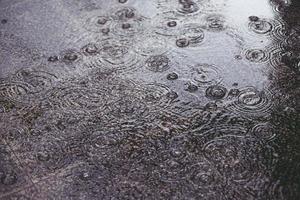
(149, 99)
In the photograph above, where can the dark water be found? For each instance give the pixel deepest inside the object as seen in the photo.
(149, 99)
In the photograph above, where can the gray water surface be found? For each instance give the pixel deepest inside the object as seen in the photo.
(149, 99)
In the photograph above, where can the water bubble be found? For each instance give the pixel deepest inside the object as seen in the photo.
(190, 35)
(53, 59)
(124, 13)
(234, 92)
(215, 22)
(172, 95)
(216, 92)
(191, 87)
(97, 22)
(105, 31)
(182, 42)
(70, 56)
(166, 24)
(172, 76)
(212, 106)
(172, 23)
(205, 74)
(90, 49)
(253, 18)
(128, 29)
(122, 1)
(188, 7)
(256, 55)
(158, 63)
(262, 26)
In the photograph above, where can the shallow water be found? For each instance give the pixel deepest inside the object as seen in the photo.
(149, 99)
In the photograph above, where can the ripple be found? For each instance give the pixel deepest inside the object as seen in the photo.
(15, 90)
(128, 29)
(203, 175)
(190, 35)
(150, 45)
(124, 13)
(235, 157)
(215, 23)
(127, 107)
(187, 7)
(90, 49)
(116, 54)
(97, 22)
(257, 55)
(216, 92)
(162, 22)
(76, 97)
(263, 131)
(158, 63)
(293, 40)
(261, 26)
(252, 102)
(70, 56)
(190, 87)
(39, 80)
(172, 76)
(219, 125)
(277, 53)
(205, 74)
(182, 7)
(158, 96)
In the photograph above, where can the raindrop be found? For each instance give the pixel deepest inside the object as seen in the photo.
(124, 13)
(172, 76)
(256, 55)
(252, 103)
(191, 87)
(172, 24)
(97, 22)
(261, 26)
(215, 22)
(53, 58)
(69, 56)
(216, 92)
(172, 95)
(182, 42)
(122, 1)
(190, 35)
(205, 74)
(158, 63)
(90, 49)
(253, 18)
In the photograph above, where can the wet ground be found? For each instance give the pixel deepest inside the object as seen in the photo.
(149, 99)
